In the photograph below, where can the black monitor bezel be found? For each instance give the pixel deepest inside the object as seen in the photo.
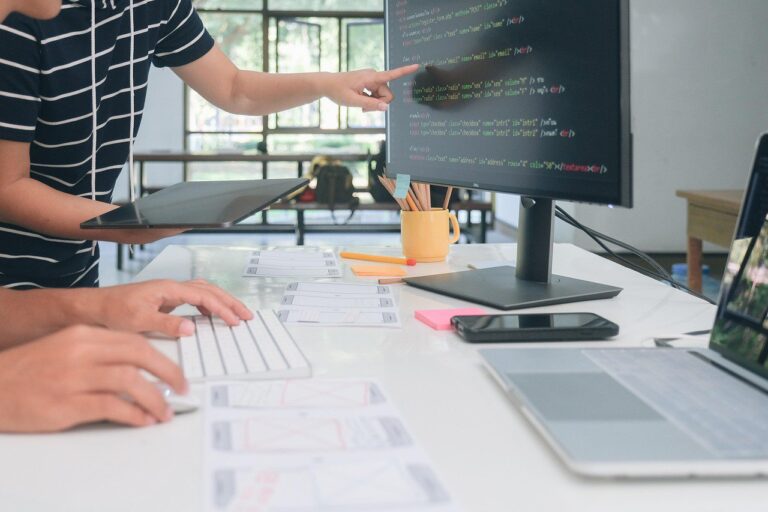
(761, 149)
(624, 189)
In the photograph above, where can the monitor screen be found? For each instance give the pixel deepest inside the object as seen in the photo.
(741, 328)
(522, 96)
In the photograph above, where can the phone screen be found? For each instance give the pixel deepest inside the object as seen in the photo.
(540, 321)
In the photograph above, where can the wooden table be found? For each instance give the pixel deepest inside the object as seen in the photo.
(712, 216)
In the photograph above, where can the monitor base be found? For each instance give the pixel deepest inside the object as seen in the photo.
(500, 288)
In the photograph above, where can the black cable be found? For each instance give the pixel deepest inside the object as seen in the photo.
(647, 259)
(595, 236)
(661, 276)
(608, 250)
(658, 271)
(665, 277)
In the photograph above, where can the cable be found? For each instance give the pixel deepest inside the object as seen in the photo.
(661, 275)
(608, 250)
(658, 272)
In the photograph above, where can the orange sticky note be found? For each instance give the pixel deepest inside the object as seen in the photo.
(378, 271)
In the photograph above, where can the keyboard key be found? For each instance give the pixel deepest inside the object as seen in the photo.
(209, 348)
(233, 363)
(260, 349)
(250, 352)
(269, 350)
(721, 412)
(284, 341)
(190, 357)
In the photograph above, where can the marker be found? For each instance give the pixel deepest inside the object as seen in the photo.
(379, 259)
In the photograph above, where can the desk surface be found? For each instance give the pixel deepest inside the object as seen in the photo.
(487, 455)
(728, 201)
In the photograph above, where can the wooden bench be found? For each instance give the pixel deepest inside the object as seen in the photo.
(472, 231)
(478, 235)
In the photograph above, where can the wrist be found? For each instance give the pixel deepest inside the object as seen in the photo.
(322, 84)
(82, 307)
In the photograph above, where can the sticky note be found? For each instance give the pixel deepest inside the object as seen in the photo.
(440, 319)
(378, 271)
(402, 186)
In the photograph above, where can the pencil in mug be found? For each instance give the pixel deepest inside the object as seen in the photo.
(424, 196)
(388, 185)
(410, 203)
(418, 197)
(447, 201)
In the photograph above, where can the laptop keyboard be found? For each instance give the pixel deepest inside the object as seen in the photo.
(261, 348)
(723, 413)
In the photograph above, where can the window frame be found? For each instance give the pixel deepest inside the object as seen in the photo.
(267, 15)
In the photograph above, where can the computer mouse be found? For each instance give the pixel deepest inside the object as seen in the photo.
(179, 403)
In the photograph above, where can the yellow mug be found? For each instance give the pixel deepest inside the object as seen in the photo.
(425, 235)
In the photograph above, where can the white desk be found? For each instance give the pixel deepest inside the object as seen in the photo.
(488, 457)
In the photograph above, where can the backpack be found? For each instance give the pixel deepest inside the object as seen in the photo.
(376, 167)
(334, 187)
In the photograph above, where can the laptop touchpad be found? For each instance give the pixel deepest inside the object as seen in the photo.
(581, 397)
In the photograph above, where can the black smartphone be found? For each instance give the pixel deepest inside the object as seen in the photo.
(535, 327)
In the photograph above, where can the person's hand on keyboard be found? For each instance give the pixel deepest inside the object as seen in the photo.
(83, 375)
(146, 307)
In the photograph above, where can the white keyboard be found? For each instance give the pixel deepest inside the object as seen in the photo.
(261, 348)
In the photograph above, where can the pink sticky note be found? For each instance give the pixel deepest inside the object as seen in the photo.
(440, 319)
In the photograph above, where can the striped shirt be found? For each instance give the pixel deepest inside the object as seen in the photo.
(46, 100)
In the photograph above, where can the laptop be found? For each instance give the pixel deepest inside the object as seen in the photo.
(198, 204)
(662, 412)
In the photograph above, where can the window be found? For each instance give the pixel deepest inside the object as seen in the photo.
(289, 36)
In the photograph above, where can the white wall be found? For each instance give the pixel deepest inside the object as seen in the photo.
(699, 99)
(162, 128)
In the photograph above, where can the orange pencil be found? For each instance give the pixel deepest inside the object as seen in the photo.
(411, 202)
(391, 188)
(387, 185)
(447, 201)
(418, 198)
(378, 259)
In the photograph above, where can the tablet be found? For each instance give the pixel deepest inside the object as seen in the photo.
(198, 204)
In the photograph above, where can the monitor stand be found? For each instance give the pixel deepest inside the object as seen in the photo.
(531, 283)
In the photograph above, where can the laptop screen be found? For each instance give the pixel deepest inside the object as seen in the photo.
(741, 327)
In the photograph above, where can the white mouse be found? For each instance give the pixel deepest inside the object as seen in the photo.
(179, 403)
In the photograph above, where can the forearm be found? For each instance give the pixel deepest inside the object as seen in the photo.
(46, 210)
(28, 315)
(252, 93)
(57, 214)
(256, 94)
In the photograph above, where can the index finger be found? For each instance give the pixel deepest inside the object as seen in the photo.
(235, 305)
(394, 74)
(137, 351)
(213, 299)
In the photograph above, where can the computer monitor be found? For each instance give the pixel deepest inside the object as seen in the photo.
(529, 97)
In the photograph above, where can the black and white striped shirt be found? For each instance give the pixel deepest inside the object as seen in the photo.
(46, 100)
